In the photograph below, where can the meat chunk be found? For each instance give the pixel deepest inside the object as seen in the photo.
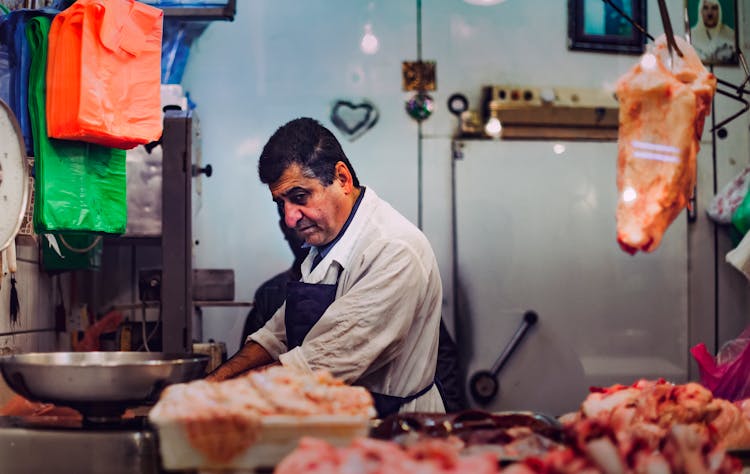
(649, 408)
(222, 420)
(663, 105)
(370, 456)
(20, 406)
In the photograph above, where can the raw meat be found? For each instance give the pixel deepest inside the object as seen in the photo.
(650, 427)
(650, 408)
(509, 436)
(370, 456)
(20, 406)
(223, 419)
(275, 391)
(662, 111)
(594, 448)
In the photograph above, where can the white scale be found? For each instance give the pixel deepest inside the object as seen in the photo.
(14, 183)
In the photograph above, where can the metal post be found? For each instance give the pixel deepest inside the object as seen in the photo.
(176, 236)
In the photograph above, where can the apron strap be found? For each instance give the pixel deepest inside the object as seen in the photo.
(389, 404)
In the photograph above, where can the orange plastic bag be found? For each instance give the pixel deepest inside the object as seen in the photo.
(104, 73)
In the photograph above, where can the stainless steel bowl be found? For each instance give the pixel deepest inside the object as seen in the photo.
(98, 384)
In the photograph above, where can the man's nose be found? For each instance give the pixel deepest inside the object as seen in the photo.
(292, 215)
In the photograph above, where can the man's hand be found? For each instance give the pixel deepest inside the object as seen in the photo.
(252, 355)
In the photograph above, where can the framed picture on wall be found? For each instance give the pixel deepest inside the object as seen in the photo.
(713, 30)
(597, 25)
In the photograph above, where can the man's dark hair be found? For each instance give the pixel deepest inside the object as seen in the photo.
(309, 144)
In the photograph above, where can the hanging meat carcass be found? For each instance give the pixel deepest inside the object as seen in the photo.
(664, 101)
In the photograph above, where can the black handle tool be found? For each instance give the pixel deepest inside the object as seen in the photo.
(483, 384)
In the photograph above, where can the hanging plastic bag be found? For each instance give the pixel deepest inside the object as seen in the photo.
(4, 74)
(13, 38)
(15, 62)
(739, 257)
(741, 216)
(65, 252)
(725, 203)
(78, 186)
(4, 62)
(176, 42)
(104, 69)
(727, 375)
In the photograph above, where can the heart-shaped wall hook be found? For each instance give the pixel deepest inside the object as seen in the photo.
(354, 119)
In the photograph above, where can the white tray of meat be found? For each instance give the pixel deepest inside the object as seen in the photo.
(231, 443)
(255, 420)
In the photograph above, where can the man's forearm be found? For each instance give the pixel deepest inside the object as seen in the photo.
(250, 356)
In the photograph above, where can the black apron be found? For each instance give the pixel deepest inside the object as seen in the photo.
(305, 305)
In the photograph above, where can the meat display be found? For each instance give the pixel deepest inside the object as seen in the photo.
(597, 448)
(650, 427)
(509, 436)
(275, 391)
(594, 449)
(370, 456)
(663, 104)
(651, 408)
(206, 424)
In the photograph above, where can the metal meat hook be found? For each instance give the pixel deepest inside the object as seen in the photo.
(736, 96)
(668, 32)
(737, 91)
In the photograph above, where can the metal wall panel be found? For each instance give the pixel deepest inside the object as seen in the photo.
(536, 231)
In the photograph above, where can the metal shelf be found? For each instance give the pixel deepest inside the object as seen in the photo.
(126, 240)
(222, 303)
(213, 13)
(202, 304)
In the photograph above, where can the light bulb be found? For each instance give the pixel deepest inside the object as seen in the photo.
(629, 194)
(558, 148)
(369, 43)
(648, 61)
(493, 127)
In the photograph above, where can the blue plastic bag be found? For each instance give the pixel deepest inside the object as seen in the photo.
(13, 37)
(4, 74)
(177, 38)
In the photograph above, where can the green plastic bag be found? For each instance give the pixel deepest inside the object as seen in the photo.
(79, 186)
(741, 216)
(64, 252)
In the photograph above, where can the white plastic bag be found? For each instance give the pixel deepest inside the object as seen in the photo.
(724, 204)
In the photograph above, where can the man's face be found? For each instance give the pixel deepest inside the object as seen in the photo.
(315, 212)
(710, 14)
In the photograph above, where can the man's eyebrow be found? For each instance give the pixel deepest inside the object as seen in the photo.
(278, 197)
(293, 190)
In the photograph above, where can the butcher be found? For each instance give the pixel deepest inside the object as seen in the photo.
(368, 305)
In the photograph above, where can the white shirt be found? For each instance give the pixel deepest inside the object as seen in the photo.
(382, 330)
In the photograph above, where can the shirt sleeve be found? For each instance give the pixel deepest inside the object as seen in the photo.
(272, 336)
(364, 328)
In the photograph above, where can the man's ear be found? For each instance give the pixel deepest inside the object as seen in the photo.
(344, 177)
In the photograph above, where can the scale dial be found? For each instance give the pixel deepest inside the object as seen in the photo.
(14, 177)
